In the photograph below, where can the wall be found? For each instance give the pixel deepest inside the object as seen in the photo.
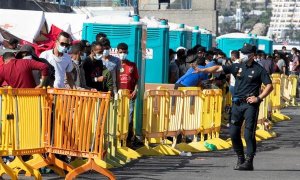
(202, 18)
(202, 14)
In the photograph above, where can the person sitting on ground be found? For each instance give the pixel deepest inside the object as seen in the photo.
(18, 73)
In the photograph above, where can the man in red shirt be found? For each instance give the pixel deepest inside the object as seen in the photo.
(18, 73)
(128, 80)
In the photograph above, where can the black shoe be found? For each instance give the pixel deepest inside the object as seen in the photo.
(240, 161)
(247, 165)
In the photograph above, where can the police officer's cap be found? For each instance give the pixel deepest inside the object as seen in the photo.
(248, 49)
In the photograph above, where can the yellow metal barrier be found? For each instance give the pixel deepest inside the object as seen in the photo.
(155, 118)
(214, 126)
(293, 85)
(263, 124)
(123, 125)
(77, 129)
(289, 86)
(23, 112)
(275, 101)
(192, 121)
(175, 114)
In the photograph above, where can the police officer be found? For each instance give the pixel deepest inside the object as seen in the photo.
(249, 77)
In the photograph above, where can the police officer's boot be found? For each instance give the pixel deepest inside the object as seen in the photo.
(240, 161)
(247, 165)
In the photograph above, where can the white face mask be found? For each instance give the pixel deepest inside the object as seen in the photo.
(123, 56)
(106, 52)
(98, 56)
(244, 58)
(27, 57)
(75, 61)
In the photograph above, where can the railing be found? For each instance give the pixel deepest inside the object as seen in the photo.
(101, 3)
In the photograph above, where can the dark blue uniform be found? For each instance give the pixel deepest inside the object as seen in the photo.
(248, 83)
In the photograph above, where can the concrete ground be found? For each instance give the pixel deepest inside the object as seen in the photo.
(277, 159)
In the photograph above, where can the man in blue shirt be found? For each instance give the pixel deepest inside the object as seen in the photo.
(190, 79)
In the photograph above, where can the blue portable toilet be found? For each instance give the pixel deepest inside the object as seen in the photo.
(157, 53)
(265, 44)
(179, 36)
(206, 39)
(131, 31)
(196, 39)
(235, 41)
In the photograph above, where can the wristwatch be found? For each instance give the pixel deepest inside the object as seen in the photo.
(258, 99)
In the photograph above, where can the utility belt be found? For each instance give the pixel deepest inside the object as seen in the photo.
(239, 101)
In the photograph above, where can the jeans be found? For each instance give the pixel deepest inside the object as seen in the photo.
(131, 114)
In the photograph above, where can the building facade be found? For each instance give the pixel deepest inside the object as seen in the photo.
(285, 17)
(200, 13)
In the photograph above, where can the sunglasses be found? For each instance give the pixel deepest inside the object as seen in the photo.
(64, 44)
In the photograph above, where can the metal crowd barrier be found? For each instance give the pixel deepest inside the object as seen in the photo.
(23, 112)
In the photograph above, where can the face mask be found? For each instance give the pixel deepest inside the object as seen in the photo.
(27, 57)
(98, 56)
(245, 58)
(220, 61)
(106, 52)
(83, 56)
(123, 56)
(75, 61)
(61, 49)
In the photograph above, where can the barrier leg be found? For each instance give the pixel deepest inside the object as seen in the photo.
(128, 152)
(4, 169)
(166, 150)
(158, 140)
(39, 162)
(19, 165)
(147, 150)
(113, 161)
(92, 164)
(199, 146)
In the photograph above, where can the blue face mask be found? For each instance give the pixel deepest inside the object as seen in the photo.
(62, 49)
(82, 57)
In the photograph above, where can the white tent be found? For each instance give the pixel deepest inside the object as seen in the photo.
(71, 23)
(25, 25)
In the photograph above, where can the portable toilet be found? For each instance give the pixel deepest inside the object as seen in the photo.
(131, 31)
(179, 36)
(265, 44)
(196, 35)
(206, 39)
(234, 41)
(157, 52)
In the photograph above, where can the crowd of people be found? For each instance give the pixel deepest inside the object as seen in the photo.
(72, 65)
(181, 71)
(84, 66)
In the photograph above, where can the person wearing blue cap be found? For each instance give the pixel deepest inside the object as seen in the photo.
(249, 77)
